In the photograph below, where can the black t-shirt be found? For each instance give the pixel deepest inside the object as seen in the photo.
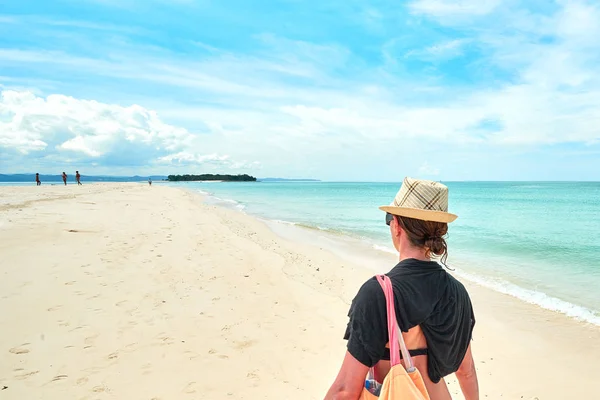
(424, 294)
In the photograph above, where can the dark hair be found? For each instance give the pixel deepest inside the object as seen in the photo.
(428, 235)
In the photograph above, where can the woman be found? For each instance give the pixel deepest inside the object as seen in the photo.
(433, 309)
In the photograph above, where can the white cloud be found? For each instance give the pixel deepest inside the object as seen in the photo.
(63, 127)
(85, 126)
(453, 8)
(440, 51)
(450, 47)
(387, 122)
(185, 157)
(78, 144)
(579, 20)
(245, 165)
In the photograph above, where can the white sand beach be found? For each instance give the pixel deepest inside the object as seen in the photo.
(126, 291)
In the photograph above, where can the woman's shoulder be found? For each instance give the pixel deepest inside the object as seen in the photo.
(370, 288)
(456, 284)
(457, 293)
(369, 295)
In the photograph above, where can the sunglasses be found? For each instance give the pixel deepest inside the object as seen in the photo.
(388, 218)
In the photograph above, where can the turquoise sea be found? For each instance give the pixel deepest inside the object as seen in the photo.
(537, 241)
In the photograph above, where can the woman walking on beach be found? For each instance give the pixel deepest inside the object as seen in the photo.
(64, 177)
(37, 179)
(433, 309)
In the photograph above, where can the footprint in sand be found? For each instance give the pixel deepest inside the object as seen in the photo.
(26, 375)
(54, 308)
(59, 378)
(190, 387)
(254, 377)
(192, 354)
(112, 356)
(100, 389)
(244, 344)
(165, 340)
(76, 328)
(146, 369)
(82, 381)
(130, 347)
(90, 339)
(20, 350)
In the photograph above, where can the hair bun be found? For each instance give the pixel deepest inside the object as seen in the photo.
(428, 235)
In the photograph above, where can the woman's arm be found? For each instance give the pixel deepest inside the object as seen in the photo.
(350, 380)
(467, 377)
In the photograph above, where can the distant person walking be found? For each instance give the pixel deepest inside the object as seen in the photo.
(37, 179)
(150, 181)
(78, 177)
(64, 176)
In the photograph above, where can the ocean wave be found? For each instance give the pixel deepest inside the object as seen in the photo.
(527, 295)
(385, 249)
(534, 297)
(279, 221)
(317, 228)
(228, 201)
(313, 227)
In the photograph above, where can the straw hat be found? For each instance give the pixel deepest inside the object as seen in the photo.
(421, 199)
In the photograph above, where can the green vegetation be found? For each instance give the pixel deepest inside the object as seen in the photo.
(209, 177)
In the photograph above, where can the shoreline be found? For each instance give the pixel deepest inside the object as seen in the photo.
(177, 298)
(369, 250)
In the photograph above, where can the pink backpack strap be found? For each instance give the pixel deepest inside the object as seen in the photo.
(397, 344)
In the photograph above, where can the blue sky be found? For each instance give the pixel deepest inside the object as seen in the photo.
(338, 90)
